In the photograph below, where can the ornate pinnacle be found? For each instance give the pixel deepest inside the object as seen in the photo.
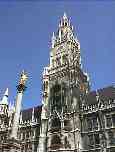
(21, 86)
(64, 16)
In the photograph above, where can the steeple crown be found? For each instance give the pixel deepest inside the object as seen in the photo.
(64, 21)
(64, 32)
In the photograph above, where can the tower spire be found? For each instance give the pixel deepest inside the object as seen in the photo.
(53, 40)
(4, 100)
(64, 20)
(6, 92)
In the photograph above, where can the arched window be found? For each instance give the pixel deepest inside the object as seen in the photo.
(65, 23)
(56, 123)
(56, 98)
(64, 59)
(67, 125)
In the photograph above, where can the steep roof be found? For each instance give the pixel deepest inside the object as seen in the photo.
(104, 94)
(27, 113)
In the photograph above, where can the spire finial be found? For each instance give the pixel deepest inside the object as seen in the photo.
(53, 35)
(53, 39)
(6, 92)
(97, 95)
(64, 16)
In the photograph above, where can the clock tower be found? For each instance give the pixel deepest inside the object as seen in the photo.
(64, 86)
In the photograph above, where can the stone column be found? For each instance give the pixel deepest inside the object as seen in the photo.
(20, 89)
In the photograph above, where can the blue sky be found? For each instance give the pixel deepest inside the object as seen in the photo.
(25, 36)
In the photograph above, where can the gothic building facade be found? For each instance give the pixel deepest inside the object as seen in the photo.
(71, 118)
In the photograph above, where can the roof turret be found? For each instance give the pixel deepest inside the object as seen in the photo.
(4, 100)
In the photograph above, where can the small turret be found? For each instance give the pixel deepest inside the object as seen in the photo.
(4, 100)
(64, 20)
(33, 119)
(4, 103)
(4, 110)
(97, 95)
(53, 40)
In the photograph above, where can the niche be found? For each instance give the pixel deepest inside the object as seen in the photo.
(55, 142)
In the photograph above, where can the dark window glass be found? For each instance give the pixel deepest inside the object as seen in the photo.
(23, 136)
(56, 123)
(111, 137)
(97, 140)
(64, 59)
(89, 123)
(55, 142)
(95, 124)
(27, 135)
(91, 140)
(113, 119)
(108, 121)
(65, 23)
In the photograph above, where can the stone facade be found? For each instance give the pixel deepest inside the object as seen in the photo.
(19, 130)
(28, 130)
(71, 118)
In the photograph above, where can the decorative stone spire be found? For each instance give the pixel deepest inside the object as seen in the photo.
(97, 95)
(65, 16)
(11, 106)
(10, 109)
(64, 21)
(6, 92)
(53, 40)
(4, 100)
(33, 119)
(21, 118)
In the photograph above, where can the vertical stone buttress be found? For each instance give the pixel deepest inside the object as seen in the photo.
(62, 93)
(4, 110)
(20, 89)
(44, 115)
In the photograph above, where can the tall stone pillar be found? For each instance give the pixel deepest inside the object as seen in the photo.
(20, 90)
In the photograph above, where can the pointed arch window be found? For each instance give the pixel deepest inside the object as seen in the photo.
(113, 119)
(64, 59)
(56, 123)
(53, 63)
(108, 121)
